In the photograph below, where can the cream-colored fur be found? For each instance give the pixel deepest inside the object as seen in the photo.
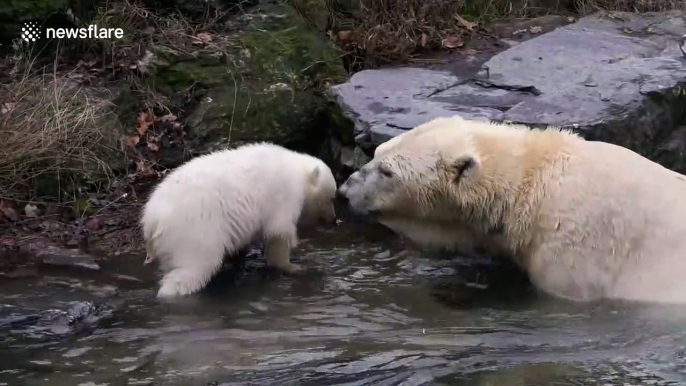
(586, 220)
(218, 203)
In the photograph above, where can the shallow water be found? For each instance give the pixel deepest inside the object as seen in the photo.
(377, 314)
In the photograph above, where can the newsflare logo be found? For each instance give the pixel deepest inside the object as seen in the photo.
(32, 32)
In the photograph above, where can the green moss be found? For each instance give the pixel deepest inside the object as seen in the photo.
(282, 45)
(266, 86)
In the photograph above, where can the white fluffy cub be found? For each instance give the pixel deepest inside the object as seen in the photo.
(218, 203)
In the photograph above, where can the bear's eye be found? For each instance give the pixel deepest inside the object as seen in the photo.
(385, 170)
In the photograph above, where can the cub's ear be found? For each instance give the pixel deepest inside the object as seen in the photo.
(462, 167)
(314, 175)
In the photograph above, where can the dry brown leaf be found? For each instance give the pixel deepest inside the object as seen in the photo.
(153, 146)
(7, 108)
(93, 224)
(467, 24)
(86, 63)
(144, 122)
(452, 42)
(132, 140)
(8, 211)
(202, 38)
(519, 32)
(345, 36)
(8, 242)
(168, 118)
(425, 39)
(535, 29)
(142, 167)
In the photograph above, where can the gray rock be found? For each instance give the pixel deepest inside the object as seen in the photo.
(353, 158)
(68, 258)
(616, 77)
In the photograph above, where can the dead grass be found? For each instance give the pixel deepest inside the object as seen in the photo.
(51, 125)
(393, 31)
(382, 32)
(58, 123)
(589, 6)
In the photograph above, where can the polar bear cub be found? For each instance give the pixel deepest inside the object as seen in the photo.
(586, 220)
(219, 202)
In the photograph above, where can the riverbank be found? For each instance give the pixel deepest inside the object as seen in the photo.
(89, 128)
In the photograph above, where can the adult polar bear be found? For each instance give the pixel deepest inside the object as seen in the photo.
(586, 220)
(217, 203)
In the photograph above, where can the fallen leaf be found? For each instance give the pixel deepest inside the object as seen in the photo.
(628, 31)
(7, 108)
(7, 210)
(168, 117)
(202, 38)
(345, 36)
(153, 146)
(467, 24)
(93, 224)
(31, 211)
(144, 122)
(571, 19)
(8, 241)
(86, 63)
(519, 32)
(132, 141)
(535, 29)
(452, 42)
(112, 222)
(50, 226)
(425, 39)
(142, 167)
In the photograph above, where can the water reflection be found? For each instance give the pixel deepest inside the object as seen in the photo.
(376, 314)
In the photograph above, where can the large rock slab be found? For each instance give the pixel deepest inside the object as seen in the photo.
(616, 77)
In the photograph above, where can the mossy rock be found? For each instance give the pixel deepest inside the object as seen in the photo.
(263, 84)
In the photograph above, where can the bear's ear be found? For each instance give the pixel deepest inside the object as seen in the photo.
(462, 167)
(314, 175)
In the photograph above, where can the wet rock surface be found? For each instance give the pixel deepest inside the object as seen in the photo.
(73, 258)
(56, 323)
(615, 77)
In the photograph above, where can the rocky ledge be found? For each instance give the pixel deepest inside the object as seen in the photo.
(615, 77)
